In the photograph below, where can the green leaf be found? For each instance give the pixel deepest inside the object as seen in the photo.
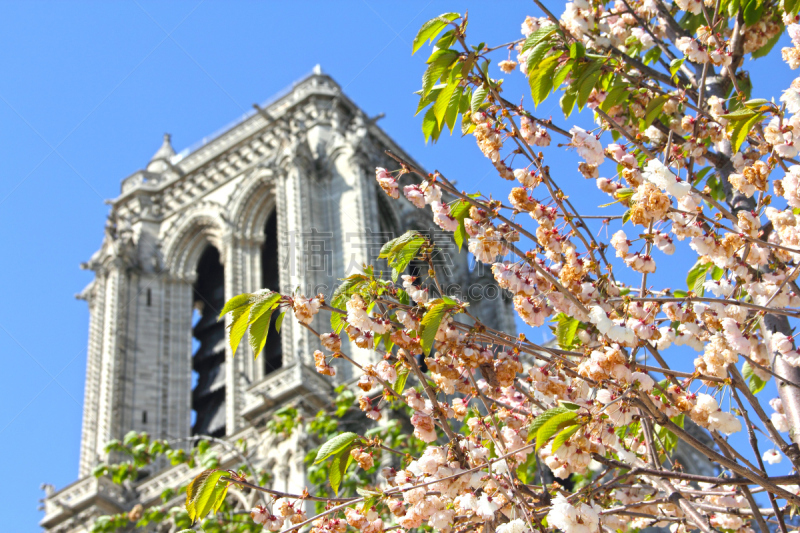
(334, 445)
(387, 342)
(400, 257)
(466, 66)
(717, 273)
(700, 175)
(279, 321)
(338, 468)
(446, 40)
(430, 325)
(717, 190)
(427, 100)
(576, 50)
(536, 56)
(466, 98)
(586, 83)
(616, 95)
(753, 11)
(444, 60)
(568, 102)
(743, 113)
(259, 331)
(351, 284)
(467, 126)
(442, 103)
(455, 71)
(335, 473)
(218, 496)
(452, 109)
(266, 305)
(563, 437)
(553, 425)
(537, 37)
(392, 247)
(697, 276)
(402, 377)
(754, 383)
(430, 127)
(431, 29)
(756, 103)
(337, 322)
(234, 303)
(561, 73)
(460, 211)
(742, 129)
(238, 327)
(653, 110)
(690, 22)
(680, 294)
(566, 329)
(201, 496)
(652, 55)
(675, 65)
(540, 420)
(541, 80)
(478, 96)
(461, 236)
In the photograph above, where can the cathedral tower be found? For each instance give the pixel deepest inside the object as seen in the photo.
(285, 199)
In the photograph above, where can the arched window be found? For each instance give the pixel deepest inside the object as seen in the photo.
(270, 279)
(208, 362)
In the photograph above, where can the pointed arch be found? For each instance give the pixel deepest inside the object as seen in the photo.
(186, 239)
(252, 203)
(254, 214)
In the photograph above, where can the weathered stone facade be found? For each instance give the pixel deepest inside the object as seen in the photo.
(284, 198)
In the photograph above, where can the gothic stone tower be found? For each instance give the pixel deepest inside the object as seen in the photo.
(285, 198)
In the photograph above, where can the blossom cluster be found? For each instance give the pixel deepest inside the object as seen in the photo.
(691, 183)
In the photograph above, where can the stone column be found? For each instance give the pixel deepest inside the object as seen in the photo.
(292, 191)
(242, 275)
(176, 357)
(96, 301)
(355, 209)
(108, 390)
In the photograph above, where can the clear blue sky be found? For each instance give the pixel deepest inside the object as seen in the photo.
(88, 90)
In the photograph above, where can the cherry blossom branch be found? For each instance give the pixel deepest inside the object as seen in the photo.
(748, 494)
(279, 494)
(437, 411)
(664, 299)
(664, 421)
(549, 277)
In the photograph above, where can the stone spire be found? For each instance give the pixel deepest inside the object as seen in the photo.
(160, 161)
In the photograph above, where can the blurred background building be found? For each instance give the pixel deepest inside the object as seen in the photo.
(284, 199)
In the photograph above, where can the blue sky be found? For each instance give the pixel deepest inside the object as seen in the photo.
(88, 91)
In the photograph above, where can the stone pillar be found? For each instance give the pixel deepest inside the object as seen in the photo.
(354, 211)
(293, 223)
(108, 404)
(176, 361)
(96, 300)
